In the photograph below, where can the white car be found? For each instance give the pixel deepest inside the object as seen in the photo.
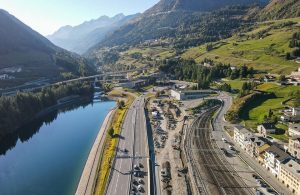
(140, 188)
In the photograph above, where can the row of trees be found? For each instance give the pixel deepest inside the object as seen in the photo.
(190, 71)
(294, 43)
(17, 110)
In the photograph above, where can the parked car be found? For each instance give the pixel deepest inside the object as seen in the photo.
(136, 167)
(141, 181)
(140, 188)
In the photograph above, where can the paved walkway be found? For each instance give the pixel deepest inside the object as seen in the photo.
(85, 186)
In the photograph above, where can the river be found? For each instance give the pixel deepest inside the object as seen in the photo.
(47, 156)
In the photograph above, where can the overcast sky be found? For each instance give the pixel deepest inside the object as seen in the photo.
(46, 16)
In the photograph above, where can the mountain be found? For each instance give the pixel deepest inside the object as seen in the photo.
(280, 9)
(190, 21)
(197, 5)
(26, 55)
(82, 37)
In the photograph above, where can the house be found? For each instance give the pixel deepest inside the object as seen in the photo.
(285, 118)
(269, 78)
(273, 158)
(260, 153)
(290, 176)
(294, 129)
(296, 111)
(294, 146)
(242, 136)
(6, 77)
(266, 128)
(256, 146)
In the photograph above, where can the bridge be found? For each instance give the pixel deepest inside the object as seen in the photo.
(103, 77)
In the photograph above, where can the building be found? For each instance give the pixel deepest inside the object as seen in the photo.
(242, 136)
(6, 77)
(190, 94)
(296, 111)
(273, 158)
(266, 128)
(285, 118)
(294, 129)
(269, 78)
(256, 146)
(294, 146)
(290, 176)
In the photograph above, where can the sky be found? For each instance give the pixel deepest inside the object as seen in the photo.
(47, 16)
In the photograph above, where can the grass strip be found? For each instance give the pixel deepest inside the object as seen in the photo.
(109, 149)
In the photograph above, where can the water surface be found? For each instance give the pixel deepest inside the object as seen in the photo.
(47, 156)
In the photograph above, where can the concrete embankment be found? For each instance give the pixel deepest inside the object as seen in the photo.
(85, 186)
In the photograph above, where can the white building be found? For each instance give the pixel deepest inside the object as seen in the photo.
(190, 94)
(294, 146)
(242, 136)
(296, 111)
(290, 176)
(274, 157)
(266, 128)
(294, 129)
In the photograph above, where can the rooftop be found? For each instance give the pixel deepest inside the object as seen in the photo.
(263, 148)
(268, 125)
(242, 129)
(293, 167)
(257, 140)
(279, 154)
(294, 126)
(295, 138)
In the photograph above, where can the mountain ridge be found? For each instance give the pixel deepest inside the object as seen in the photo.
(81, 37)
(197, 5)
(35, 56)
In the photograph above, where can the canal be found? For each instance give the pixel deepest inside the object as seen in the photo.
(47, 156)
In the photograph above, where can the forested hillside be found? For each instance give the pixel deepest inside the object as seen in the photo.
(280, 9)
(25, 55)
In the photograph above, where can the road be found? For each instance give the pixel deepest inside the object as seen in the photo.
(242, 158)
(134, 139)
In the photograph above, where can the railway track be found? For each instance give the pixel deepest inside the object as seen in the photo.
(208, 158)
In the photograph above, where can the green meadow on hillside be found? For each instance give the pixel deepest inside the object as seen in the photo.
(264, 47)
(255, 113)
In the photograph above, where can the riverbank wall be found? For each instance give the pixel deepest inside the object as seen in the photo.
(86, 183)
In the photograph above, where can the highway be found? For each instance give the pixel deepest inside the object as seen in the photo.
(133, 138)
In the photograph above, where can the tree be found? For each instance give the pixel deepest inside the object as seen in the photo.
(288, 56)
(244, 71)
(121, 104)
(225, 87)
(281, 78)
(209, 47)
(111, 132)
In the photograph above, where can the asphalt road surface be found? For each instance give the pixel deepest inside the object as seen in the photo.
(133, 138)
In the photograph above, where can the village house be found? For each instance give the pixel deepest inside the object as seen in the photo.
(294, 129)
(296, 111)
(273, 159)
(269, 78)
(241, 136)
(266, 128)
(294, 146)
(256, 146)
(290, 176)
